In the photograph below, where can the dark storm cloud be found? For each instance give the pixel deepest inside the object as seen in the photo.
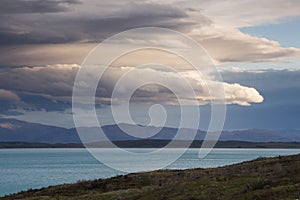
(36, 88)
(55, 80)
(9, 38)
(71, 26)
(35, 6)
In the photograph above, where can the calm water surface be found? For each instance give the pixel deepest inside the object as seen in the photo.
(22, 169)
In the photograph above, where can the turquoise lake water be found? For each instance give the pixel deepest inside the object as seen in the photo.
(22, 169)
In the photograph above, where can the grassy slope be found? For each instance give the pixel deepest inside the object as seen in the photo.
(264, 178)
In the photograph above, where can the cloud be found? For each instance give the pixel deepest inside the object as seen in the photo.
(43, 55)
(225, 46)
(279, 109)
(36, 88)
(88, 26)
(8, 126)
(54, 80)
(237, 14)
(50, 86)
(280, 87)
(281, 92)
(214, 24)
(8, 100)
(241, 95)
(35, 6)
(266, 79)
(6, 95)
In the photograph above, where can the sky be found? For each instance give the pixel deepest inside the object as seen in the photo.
(254, 46)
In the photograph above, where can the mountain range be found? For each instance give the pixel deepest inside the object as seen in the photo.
(12, 130)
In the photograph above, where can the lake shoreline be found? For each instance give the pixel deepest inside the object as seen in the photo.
(154, 144)
(262, 178)
(22, 169)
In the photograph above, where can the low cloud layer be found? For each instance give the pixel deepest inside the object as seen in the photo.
(279, 109)
(51, 87)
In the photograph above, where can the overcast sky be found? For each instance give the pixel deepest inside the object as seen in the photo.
(254, 45)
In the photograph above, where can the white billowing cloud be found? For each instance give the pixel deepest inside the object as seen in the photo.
(8, 95)
(237, 94)
(234, 93)
(168, 81)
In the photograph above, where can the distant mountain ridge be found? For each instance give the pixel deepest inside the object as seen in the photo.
(12, 130)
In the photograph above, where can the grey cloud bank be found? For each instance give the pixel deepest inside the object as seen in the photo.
(279, 110)
(56, 83)
(76, 23)
(35, 6)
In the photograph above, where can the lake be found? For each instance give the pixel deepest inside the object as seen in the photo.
(22, 169)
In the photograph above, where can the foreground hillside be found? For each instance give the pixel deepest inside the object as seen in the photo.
(264, 178)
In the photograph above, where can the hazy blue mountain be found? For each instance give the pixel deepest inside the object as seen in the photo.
(14, 130)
